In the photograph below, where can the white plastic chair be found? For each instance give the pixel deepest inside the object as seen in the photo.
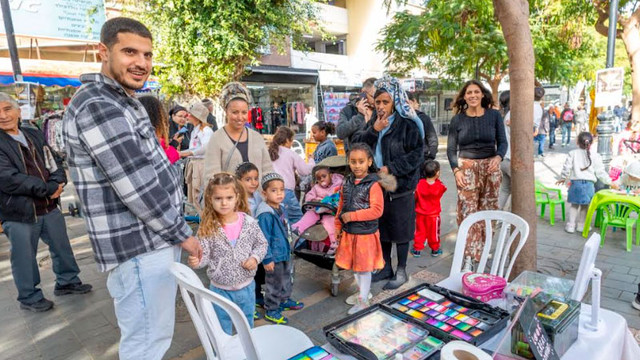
(501, 253)
(275, 342)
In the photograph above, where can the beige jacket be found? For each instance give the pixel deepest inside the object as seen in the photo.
(218, 150)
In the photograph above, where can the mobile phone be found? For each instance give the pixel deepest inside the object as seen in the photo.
(183, 130)
(362, 96)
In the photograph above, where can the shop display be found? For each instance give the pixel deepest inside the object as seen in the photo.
(450, 315)
(314, 353)
(560, 318)
(380, 333)
(333, 103)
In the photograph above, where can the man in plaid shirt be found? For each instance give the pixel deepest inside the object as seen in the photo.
(130, 194)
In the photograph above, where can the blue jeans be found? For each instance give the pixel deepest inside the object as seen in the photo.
(540, 139)
(24, 239)
(291, 203)
(245, 298)
(566, 133)
(144, 297)
(552, 136)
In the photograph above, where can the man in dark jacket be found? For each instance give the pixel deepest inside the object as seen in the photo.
(356, 114)
(211, 119)
(430, 135)
(31, 181)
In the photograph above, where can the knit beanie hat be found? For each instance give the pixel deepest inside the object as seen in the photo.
(234, 91)
(199, 111)
(270, 177)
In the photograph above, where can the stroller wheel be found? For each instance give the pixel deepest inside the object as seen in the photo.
(334, 289)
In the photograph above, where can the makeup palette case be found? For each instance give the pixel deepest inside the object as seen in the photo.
(483, 287)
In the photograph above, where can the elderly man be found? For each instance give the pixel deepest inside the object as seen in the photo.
(130, 193)
(31, 181)
(357, 113)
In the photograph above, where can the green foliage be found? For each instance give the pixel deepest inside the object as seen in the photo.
(202, 44)
(452, 37)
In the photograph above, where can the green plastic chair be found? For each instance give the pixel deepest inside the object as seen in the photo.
(617, 215)
(551, 197)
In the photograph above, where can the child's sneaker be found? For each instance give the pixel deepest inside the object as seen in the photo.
(360, 305)
(436, 253)
(257, 315)
(415, 253)
(260, 303)
(291, 305)
(276, 317)
(570, 228)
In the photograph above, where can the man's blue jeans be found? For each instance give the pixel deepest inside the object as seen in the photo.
(566, 133)
(144, 296)
(24, 239)
(540, 139)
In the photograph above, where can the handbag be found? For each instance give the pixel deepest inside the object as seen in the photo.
(483, 287)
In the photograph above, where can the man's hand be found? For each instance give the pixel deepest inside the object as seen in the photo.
(250, 264)
(270, 267)
(56, 194)
(193, 262)
(192, 246)
(560, 182)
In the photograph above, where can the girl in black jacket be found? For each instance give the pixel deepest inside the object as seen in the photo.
(396, 136)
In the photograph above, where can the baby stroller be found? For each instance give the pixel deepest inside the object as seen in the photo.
(302, 246)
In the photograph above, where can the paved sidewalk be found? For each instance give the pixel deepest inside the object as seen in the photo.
(84, 326)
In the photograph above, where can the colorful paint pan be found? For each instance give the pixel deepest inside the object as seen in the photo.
(461, 317)
(416, 314)
(445, 327)
(463, 326)
(442, 317)
(413, 297)
(461, 335)
(447, 303)
(424, 309)
(404, 301)
(432, 304)
(482, 326)
(414, 305)
(475, 332)
(453, 322)
(461, 309)
(471, 321)
(451, 313)
(433, 313)
(433, 322)
(430, 295)
(433, 341)
(441, 308)
(421, 301)
(400, 307)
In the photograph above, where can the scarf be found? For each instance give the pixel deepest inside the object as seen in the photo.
(400, 101)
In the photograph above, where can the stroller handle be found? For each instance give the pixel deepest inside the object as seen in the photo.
(311, 205)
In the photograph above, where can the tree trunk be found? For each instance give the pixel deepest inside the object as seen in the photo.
(494, 83)
(514, 19)
(631, 38)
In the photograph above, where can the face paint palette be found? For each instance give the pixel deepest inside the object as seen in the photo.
(385, 332)
(450, 315)
(314, 353)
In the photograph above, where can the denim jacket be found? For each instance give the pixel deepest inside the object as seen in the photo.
(276, 232)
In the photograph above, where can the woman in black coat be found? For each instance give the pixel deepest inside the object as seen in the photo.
(396, 136)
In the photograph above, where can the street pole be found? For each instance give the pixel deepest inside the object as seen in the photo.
(605, 127)
(11, 40)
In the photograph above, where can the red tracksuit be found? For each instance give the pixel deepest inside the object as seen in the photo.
(428, 214)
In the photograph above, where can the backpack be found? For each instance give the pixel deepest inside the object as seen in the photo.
(567, 116)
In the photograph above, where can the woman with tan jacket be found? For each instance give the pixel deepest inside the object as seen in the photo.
(235, 143)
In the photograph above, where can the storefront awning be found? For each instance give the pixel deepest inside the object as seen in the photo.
(281, 74)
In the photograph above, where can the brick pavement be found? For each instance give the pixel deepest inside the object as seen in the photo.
(84, 326)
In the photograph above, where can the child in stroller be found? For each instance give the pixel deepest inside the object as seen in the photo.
(325, 191)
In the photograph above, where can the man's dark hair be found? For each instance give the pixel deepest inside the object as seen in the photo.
(115, 26)
(430, 168)
(369, 82)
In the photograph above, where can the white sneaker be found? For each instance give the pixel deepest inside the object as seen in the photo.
(468, 265)
(360, 305)
(353, 298)
(570, 228)
(579, 227)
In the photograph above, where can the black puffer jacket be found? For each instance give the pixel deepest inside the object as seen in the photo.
(18, 189)
(356, 197)
(402, 151)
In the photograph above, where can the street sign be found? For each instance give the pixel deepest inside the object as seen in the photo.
(609, 83)
(79, 20)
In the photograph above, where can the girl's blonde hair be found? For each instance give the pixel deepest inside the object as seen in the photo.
(211, 223)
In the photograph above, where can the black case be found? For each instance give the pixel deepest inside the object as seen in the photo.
(358, 351)
(499, 316)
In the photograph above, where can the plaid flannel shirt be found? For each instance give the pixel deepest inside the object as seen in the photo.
(131, 196)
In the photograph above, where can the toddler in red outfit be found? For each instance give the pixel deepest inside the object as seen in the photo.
(428, 195)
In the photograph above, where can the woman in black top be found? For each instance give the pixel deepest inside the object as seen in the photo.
(476, 146)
